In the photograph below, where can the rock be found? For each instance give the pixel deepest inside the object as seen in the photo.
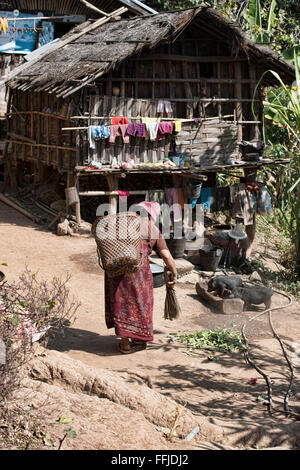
(225, 306)
(63, 228)
(255, 276)
(125, 389)
(183, 266)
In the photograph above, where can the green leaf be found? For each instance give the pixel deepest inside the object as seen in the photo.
(71, 432)
(64, 420)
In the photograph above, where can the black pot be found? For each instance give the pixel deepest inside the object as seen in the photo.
(176, 246)
(158, 275)
(209, 260)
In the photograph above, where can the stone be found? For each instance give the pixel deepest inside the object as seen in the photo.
(225, 306)
(182, 265)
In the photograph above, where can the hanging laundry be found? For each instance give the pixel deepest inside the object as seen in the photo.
(125, 136)
(123, 195)
(101, 132)
(136, 130)
(164, 105)
(206, 198)
(159, 196)
(221, 199)
(119, 120)
(242, 206)
(119, 131)
(151, 127)
(165, 129)
(177, 126)
(193, 201)
(171, 196)
(91, 137)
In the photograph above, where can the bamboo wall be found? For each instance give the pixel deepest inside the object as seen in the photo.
(198, 75)
(34, 129)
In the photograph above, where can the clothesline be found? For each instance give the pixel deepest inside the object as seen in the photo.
(155, 117)
(141, 117)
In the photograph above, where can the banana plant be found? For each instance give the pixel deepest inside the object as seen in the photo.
(255, 20)
(283, 109)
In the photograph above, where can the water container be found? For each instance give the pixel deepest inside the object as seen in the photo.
(72, 196)
(210, 258)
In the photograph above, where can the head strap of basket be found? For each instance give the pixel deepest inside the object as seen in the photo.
(118, 240)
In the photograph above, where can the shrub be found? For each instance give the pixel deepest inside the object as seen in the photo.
(28, 309)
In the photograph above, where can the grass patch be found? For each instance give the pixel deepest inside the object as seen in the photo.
(216, 340)
(285, 280)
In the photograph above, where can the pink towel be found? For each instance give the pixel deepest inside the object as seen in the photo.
(171, 195)
(165, 129)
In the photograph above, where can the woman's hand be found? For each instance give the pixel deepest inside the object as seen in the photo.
(170, 278)
(171, 268)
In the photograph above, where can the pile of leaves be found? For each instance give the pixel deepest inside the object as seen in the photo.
(216, 340)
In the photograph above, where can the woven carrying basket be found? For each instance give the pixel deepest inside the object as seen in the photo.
(119, 243)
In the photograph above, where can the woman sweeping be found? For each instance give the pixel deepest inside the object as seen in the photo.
(129, 298)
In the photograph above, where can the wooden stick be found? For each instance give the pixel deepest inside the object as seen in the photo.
(16, 207)
(92, 7)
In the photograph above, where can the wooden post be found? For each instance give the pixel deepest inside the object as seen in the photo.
(238, 96)
(250, 175)
(113, 184)
(254, 130)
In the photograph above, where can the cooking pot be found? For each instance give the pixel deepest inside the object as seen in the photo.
(158, 275)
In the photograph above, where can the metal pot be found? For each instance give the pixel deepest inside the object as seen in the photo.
(158, 275)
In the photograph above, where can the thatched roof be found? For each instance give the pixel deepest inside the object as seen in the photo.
(77, 7)
(86, 57)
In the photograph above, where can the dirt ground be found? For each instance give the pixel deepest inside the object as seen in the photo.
(216, 388)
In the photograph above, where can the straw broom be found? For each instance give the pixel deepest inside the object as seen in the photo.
(172, 307)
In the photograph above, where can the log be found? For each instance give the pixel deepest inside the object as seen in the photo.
(16, 207)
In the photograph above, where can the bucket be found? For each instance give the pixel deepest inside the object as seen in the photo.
(158, 275)
(195, 189)
(176, 246)
(72, 196)
(210, 258)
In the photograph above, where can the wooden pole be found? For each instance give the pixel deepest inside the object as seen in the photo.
(239, 99)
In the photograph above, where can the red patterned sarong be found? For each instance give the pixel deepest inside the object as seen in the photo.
(129, 302)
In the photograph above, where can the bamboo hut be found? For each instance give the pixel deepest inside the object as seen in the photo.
(191, 65)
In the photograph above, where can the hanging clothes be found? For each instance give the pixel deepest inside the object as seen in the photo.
(91, 137)
(242, 205)
(136, 129)
(206, 198)
(123, 195)
(164, 105)
(171, 196)
(101, 132)
(177, 126)
(154, 195)
(119, 131)
(164, 129)
(151, 127)
(119, 120)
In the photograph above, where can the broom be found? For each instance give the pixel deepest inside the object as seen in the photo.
(172, 307)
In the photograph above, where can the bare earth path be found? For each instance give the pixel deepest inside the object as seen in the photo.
(215, 388)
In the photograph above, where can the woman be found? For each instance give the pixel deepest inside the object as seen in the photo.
(129, 298)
